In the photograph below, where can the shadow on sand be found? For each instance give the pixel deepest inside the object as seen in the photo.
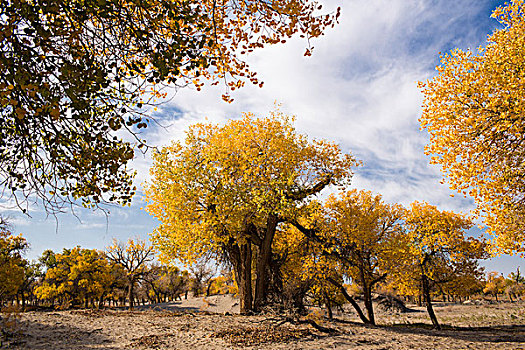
(55, 336)
(488, 334)
(173, 306)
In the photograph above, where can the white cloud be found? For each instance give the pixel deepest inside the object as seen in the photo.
(89, 226)
(358, 89)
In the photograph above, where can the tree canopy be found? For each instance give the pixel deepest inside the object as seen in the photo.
(79, 275)
(474, 111)
(11, 261)
(228, 187)
(362, 232)
(75, 72)
(433, 251)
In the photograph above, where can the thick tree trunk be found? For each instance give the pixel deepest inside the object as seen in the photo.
(208, 288)
(425, 283)
(367, 292)
(245, 279)
(263, 263)
(241, 258)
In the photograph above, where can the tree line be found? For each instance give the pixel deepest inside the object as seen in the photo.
(309, 274)
(123, 275)
(246, 192)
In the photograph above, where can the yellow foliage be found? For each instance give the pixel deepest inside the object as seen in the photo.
(207, 190)
(11, 263)
(79, 275)
(474, 112)
(434, 248)
(495, 284)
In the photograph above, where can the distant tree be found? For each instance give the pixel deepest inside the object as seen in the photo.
(462, 281)
(495, 284)
(133, 257)
(474, 112)
(363, 231)
(165, 283)
(433, 251)
(221, 284)
(48, 259)
(356, 233)
(515, 285)
(32, 276)
(201, 276)
(11, 261)
(80, 277)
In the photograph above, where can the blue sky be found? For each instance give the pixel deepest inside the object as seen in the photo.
(358, 89)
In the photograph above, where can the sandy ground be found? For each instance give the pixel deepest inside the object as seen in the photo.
(213, 324)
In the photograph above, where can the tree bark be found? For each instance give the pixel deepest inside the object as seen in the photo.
(425, 283)
(245, 279)
(208, 288)
(328, 304)
(367, 294)
(351, 301)
(263, 263)
(130, 294)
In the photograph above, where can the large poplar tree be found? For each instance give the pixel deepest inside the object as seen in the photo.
(226, 189)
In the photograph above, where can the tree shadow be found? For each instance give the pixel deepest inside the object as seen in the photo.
(173, 306)
(30, 334)
(487, 334)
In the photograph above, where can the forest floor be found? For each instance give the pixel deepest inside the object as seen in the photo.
(213, 324)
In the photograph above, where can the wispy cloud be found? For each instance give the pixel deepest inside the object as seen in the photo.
(358, 89)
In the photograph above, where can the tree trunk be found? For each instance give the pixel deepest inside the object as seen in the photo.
(208, 288)
(245, 279)
(350, 300)
(425, 283)
(367, 293)
(263, 263)
(328, 304)
(369, 305)
(130, 294)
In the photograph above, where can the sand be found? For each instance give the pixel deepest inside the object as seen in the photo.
(213, 323)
